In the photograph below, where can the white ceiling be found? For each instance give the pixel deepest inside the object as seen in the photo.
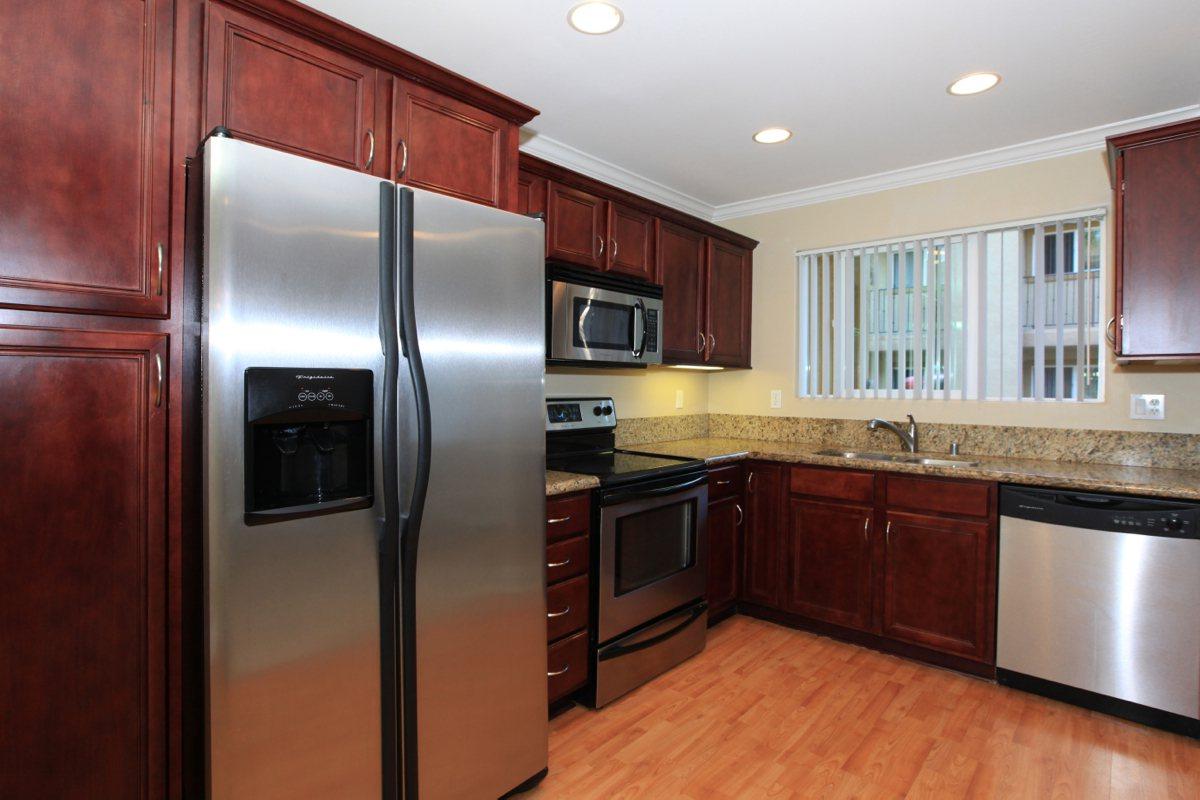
(673, 96)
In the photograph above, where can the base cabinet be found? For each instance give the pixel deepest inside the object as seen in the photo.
(763, 562)
(936, 586)
(568, 589)
(726, 515)
(829, 562)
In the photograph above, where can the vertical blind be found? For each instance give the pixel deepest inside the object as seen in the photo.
(1005, 312)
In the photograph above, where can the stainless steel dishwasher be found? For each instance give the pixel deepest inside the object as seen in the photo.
(1099, 603)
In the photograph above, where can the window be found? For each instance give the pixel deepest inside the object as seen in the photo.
(1007, 312)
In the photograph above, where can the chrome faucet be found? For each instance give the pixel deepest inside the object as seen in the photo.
(908, 439)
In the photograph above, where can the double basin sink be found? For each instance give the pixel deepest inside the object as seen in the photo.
(900, 458)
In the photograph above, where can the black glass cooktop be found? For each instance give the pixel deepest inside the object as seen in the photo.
(618, 466)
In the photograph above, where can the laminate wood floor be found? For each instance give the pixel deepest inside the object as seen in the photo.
(766, 711)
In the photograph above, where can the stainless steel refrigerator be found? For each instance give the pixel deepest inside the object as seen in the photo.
(372, 371)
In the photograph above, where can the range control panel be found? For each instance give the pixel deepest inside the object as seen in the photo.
(580, 413)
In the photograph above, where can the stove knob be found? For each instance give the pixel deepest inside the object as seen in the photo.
(598, 410)
(607, 410)
(1174, 524)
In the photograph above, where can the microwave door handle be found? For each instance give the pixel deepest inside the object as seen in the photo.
(637, 341)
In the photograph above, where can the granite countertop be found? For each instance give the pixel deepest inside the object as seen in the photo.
(1148, 481)
(564, 482)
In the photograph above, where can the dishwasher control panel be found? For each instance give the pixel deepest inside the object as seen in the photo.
(1146, 515)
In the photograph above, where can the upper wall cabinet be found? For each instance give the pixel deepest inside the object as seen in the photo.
(85, 132)
(630, 242)
(727, 301)
(445, 145)
(1157, 185)
(681, 254)
(575, 226)
(271, 86)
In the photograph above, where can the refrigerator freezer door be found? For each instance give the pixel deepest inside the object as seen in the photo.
(480, 566)
(291, 271)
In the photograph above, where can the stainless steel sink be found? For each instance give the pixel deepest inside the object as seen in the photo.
(901, 458)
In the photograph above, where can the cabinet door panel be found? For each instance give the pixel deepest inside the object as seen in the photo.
(531, 194)
(830, 562)
(270, 86)
(447, 146)
(681, 255)
(765, 532)
(724, 522)
(1160, 257)
(937, 583)
(84, 563)
(575, 226)
(630, 242)
(85, 132)
(727, 301)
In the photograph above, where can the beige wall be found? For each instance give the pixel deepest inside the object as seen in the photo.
(637, 392)
(1065, 184)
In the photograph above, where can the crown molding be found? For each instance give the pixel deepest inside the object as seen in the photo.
(564, 155)
(1050, 147)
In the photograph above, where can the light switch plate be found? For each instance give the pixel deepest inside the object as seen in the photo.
(1147, 406)
(776, 398)
(679, 398)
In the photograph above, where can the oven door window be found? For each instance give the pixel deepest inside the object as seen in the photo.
(654, 544)
(603, 325)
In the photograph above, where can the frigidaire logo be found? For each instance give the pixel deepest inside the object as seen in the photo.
(314, 377)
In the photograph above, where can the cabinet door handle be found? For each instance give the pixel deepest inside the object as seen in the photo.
(600, 239)
(557, 520)
(159, 250)
(614, 249)
(741, 514)
(158, 383)
(712, 343)
(750, 482)
(553, 614)
(700, 348)
(402, 154)
(370, 150)
(1108, 333)
(887, 533)
(866, 530)
(557, 564)
(558, 672)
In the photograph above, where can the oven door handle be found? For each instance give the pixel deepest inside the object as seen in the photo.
(637, 341)
(624, 495)
(616, 651)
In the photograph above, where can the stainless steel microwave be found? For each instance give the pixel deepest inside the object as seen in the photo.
(599, 320)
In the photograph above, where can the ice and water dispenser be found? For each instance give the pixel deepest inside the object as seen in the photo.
(308, 442)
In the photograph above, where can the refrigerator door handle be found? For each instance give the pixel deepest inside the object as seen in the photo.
(389, 535)
(410, 528)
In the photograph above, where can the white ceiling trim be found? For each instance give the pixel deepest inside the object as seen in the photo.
(566, 156)
(1036, 150)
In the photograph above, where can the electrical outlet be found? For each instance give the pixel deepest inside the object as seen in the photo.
(1147, 406)
(679, 398)
(776, 398)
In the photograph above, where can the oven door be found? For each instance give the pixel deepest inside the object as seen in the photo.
(588, 323)
(653, 552)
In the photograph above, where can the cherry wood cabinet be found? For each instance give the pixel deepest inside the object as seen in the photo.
(630, 242)
(829, 562)
(727, 293)
(763, 541)
(568, 590)
(681, 254)
(726, 514)
(531, 194)
(1156, 177)
(936, 584)
(83, 616)
(576, 226)
(449, 146)
(85, 134)
(269, 85)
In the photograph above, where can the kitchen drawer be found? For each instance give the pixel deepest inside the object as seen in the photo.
(835, 484)
(566, 559)
(566, 607)
(567, 516)
(724, 482)
(940, 496)
(567, 665)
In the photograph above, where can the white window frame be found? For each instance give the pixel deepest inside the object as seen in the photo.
(833, 268)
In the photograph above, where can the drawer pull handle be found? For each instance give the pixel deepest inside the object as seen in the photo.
(557, 564)
(724, 483)
(558, 672)
(558, 520)
(553, 614)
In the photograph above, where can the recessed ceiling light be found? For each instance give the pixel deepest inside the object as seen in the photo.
(973, 83)
(595, 18)
(772, 135)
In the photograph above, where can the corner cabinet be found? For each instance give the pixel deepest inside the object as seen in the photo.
(727, 288)
(84, 614)
(1156, 181)
(681, 254)
(85, 131)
